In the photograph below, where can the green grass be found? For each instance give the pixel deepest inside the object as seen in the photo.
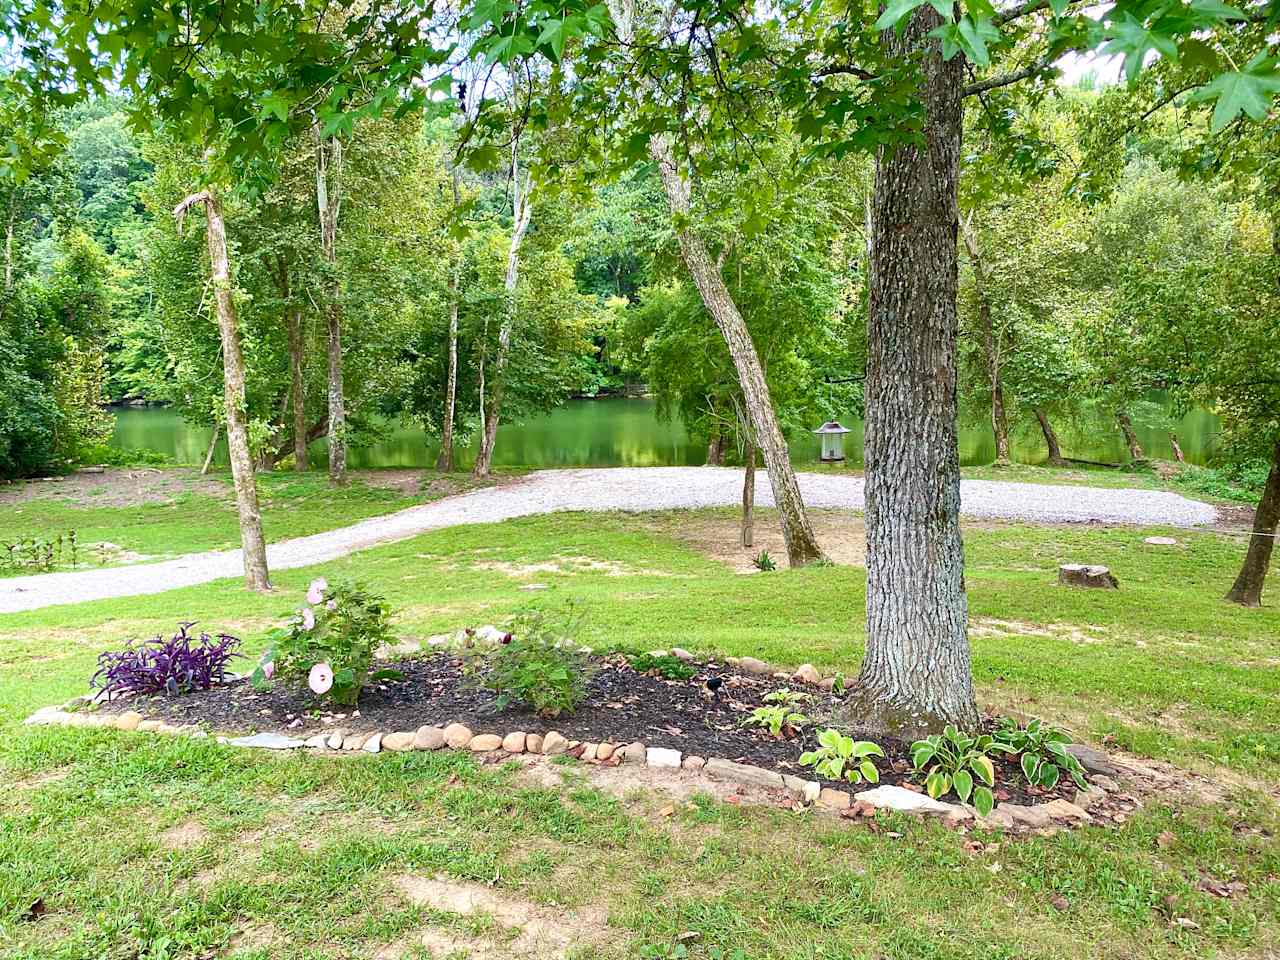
(297, 857)
(292, 506)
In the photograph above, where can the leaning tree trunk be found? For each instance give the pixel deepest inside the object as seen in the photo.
(1247, 590)
(328, 207)
(1056, 458)
(213, 446)
(916, 675)
(253, 546)
(1177, 448)
(749, 497)
(297, 382)
(1130, 437)
(444, 462)
(990, 346)
(802, 544)
(522, 210)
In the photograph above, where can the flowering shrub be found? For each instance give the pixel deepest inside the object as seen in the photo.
(173, 665)
(538, 662)
(329, 643)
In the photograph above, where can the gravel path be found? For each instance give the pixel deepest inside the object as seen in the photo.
(622, 488)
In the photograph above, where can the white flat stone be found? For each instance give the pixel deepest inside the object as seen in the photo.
(266, 741)
(663, 757)
(318, 742)
(373, 744)
(903, 800)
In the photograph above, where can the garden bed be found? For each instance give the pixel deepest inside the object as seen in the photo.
(622, 706)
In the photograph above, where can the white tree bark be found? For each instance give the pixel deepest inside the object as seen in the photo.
(252, 544)
(522, 187)
(444, 462)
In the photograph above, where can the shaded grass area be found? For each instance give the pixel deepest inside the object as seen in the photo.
(293, 505)
(297, 857)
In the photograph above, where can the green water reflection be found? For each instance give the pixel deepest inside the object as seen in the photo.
(626, 432)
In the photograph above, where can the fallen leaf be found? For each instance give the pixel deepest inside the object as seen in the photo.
(1060, 903)
(1164, 839)
(688, 936)
(1186, 923)
(35, 911)
(894, 834)
(666, 811)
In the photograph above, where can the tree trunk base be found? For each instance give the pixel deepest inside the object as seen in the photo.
(865, 711)
(1087, 575)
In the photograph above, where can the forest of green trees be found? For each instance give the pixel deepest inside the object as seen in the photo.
(294, 219)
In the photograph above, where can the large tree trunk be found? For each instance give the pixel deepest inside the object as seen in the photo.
(1056, 458)
(802, 544)
(253, 546)
(1247, 590)
(522, 210)
(8, 243)
(328, 207)
(1130, 437)
(444, 462)
(990, 345)
(916, 675)
(749, 497)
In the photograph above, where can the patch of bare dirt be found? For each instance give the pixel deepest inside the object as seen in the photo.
(419, 482)
(525, 929)
(184, 835)
(117, 487)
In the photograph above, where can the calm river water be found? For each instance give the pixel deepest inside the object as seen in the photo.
(617, 432)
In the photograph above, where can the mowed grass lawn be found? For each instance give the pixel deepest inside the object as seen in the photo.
(150, 848)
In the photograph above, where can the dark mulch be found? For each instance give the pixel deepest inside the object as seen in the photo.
(622, 706)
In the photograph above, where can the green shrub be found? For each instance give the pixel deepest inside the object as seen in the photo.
(1041, 751)
(1241, 482)
(842, 758)
(330, 643)
(541, 665)
(953, 759)
(764, 562)
(666, 666)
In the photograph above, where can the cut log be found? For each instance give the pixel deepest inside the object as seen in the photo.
(1087, 575)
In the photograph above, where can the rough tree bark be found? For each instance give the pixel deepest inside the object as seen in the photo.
(253, 546)
(917, 674)
(522, 210)
(1177, 448)
(797, 532)
(749, 497)
(1247, 590)
(990, 345)
(329, 207)
(444, 462)
(1050, 440)
(8, 244)
(1130, 437)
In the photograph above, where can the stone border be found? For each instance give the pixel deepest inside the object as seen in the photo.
(1105, 798)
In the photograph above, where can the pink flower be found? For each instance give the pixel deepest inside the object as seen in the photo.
(269, 669)
(320, 679)
(331, 605)
(308, 618)
(315, 593)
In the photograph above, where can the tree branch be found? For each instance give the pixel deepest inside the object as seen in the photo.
(1007, 79)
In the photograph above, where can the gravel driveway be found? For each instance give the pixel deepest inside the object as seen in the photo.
(621, 488)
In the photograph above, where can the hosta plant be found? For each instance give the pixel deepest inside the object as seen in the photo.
(787, 697)
(1041, 751)
(779, 719)
(329, 643)
(842, 758)
(958, 761)
(177, 664)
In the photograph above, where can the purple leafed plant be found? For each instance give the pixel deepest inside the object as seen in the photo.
(175, 665)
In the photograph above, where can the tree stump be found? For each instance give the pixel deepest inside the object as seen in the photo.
(1087, 575)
